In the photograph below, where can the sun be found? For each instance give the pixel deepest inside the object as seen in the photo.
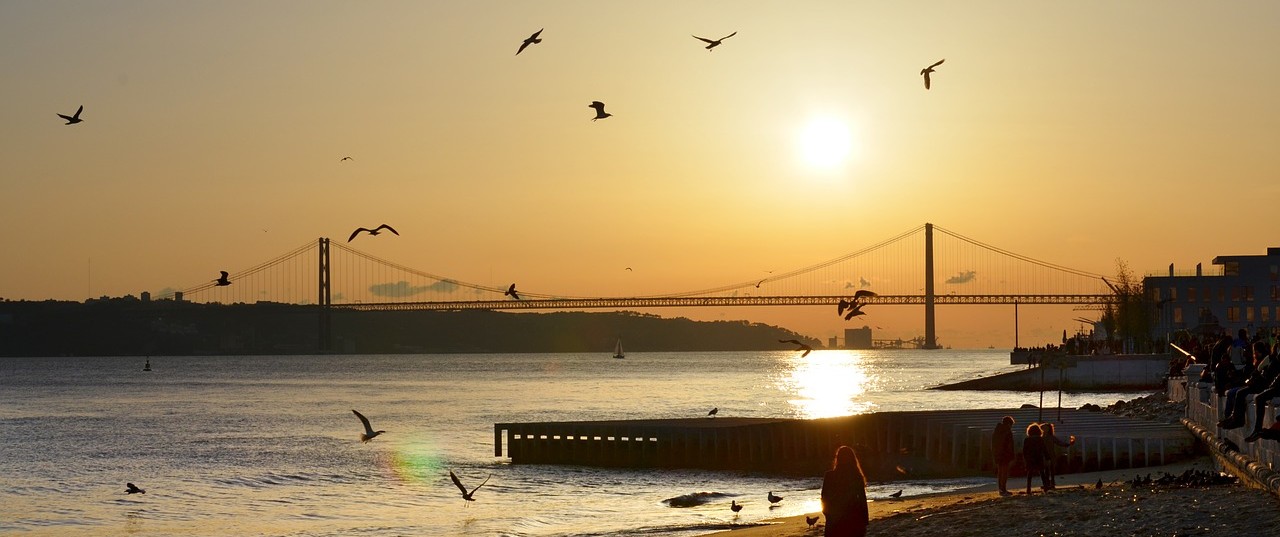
(824, 143)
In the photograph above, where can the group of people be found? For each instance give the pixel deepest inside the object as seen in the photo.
(1039, 453)
(1243, 366)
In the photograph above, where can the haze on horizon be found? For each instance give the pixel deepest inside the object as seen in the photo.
(212, 134)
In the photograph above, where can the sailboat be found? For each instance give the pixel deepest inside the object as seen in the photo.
(617, 350)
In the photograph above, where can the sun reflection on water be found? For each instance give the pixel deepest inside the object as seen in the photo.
(827, 384)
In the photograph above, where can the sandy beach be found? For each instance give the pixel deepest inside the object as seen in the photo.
(1076, 507)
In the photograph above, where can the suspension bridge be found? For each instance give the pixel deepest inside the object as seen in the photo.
(925, 266)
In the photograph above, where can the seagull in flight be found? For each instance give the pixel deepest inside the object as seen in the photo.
(800, 347)
(468, 496)
(529, 41)
(345, 158)
(511, 292)
(72, 120)
(222, 280)
(772, 498)
(713, 412)
(855, 309)
(130, 488)
(600, 113)
(369, 433)
(928, 70)
(713, 43)
(373, 231)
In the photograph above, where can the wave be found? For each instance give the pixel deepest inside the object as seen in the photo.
(694, 499)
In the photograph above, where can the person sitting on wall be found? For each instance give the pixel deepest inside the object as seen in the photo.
(1264, 377)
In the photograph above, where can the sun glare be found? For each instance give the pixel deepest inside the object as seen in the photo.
(827, 384)
(824, 143)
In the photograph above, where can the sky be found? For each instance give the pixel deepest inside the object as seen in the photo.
(1079, 133)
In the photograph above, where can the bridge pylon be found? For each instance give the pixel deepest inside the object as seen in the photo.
(324, 299)
(930, 335)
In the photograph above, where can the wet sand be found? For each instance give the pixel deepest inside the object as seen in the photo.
(1076, 507)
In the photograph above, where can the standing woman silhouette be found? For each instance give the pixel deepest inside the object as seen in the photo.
(844, 496)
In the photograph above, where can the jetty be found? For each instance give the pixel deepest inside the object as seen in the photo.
(1075, 373)
(914, 444)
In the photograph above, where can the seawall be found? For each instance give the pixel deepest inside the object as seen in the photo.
(1124, 372)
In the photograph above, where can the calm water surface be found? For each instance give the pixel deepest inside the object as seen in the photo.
(268, 445)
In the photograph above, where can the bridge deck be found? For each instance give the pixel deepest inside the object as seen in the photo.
(954, 442)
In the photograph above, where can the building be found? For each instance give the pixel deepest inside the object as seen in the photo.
(1243, 293)
(857, 338)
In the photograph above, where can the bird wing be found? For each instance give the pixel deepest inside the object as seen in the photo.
(224, 274)
(357, 232)
(599, 106)
(807, 350)
(486, 480)
(863, 293)
(368, 429)
(388, 228)
(728, 36)
(703, 39)
(523, 45)
(536, 34)
(939, 62)
(788, 341)
(458, 482)
(68, 118)
(841, 306)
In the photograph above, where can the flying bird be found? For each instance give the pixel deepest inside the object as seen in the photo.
(600, 113)
(800, 347)
(629, 268)
(130, 488)
(72, 120)
(373, 231)
(222, 280)
(511, 292)
(811, 521)
(896, 494)
(713, 412)
(734, 505)
(530, 41)
(928, 70)
(855, 309)
(759, 282)
(713, 43)
(369, 433)
(772, 498)
(468, 496)
(345, 158)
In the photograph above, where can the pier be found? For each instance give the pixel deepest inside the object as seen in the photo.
(915, 444)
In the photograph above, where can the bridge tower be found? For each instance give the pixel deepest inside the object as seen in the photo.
(323, 298)
(930, 336)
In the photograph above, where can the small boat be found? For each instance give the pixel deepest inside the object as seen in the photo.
(147, 367)
(617, 350)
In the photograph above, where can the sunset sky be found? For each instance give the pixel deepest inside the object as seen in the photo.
(1077, 133)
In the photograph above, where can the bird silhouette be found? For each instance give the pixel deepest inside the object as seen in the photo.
(734, 505)
(72, 120)
(799, 346)
(759, 282)
(130, 488)
(600, 113)
(855, 309)
(713, 43)
(928, 70)
(467, 495)
(529, 41)
(222, 280)
(811, 521)
(373, 231)
(772, 498)
(896, 494)
(511, 292)
(369, 433)
(345, 158)
(1098, 485)
(713, 412)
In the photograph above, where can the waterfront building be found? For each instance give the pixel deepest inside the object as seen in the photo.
(857, 338)
(1243, 292)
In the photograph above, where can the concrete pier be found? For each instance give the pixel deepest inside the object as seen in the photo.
(926, 443)
(1129, 372)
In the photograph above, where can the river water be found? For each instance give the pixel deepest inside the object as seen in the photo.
(267, 445)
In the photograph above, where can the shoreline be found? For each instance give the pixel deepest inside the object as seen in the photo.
(1076, 507)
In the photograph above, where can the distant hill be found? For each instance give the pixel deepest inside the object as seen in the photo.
(128, 326)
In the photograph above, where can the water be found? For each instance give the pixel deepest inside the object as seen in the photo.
(268, 445)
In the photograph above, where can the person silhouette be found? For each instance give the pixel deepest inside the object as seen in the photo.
(844, 496)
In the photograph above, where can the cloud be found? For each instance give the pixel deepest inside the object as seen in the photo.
(862, 282)
(403, 289)
(963, 277)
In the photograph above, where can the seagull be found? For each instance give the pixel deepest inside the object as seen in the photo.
(529, 41)
(772, 498)
(222, 280)
(759, 282)
(511, 292)
(928, 70)
(1098, 485)
(468, 496)
(862, 293)
(714, 43)
(842, 305)
(713, 412)
(855, 309)
(369, 433)
(373, 231)
(734, 505)
(629, 268)
(133, 489)
(811, 520)
(600, 113)
(345, 158)
(896, 494)
(72, 120)
(800, 347)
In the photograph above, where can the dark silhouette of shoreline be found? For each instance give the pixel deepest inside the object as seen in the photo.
(129, 326)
